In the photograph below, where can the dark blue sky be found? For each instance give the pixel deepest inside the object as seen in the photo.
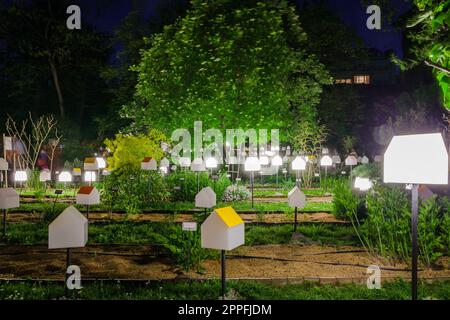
(107, 14)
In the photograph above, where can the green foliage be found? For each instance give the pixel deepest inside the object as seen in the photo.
(207, 290)
(387, 227)
(228, 64)
(346, 204)
(183, 184)
(235, 192)
(128, 151)
(369, 170)
(185, 246)
(430, 42)
(134, 189)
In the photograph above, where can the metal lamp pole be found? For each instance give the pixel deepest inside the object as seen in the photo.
(251, 180)
(415, 247)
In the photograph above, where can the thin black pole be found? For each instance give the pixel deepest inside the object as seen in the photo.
(224, 288)
(415, 248)
(296, 220)
(87, 212)
(68, 264)
(251, 178)
(4, 225)
(198, 182)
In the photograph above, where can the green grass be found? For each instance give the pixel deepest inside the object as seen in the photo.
(209, 290)
(284, 192)
(180, 206)
(124, 232)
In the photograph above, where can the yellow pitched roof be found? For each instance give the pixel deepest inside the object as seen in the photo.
(90, 160)
(229, 216)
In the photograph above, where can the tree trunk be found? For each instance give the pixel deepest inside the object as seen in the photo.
(62, 110)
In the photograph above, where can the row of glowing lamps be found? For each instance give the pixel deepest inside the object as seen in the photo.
(252, 164)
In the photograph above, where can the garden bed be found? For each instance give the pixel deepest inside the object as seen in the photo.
(271, 262)
(275, 218)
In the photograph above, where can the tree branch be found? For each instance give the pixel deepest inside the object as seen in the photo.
(436, 66)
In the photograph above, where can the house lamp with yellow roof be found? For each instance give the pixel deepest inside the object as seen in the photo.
(223, 230)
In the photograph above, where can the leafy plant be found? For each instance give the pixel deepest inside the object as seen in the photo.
(235, 192)
(128, 151)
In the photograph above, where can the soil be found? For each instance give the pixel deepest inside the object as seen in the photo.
(309, 262)
(162, 217)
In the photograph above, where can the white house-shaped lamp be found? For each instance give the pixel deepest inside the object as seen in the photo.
(417, 159)
(351, 160)
(76, 172)
(185, 162)
(9, 198)
(206, 198)
(91, 164)
(252, 164)
(326, 161)
(336, 159)
(198, 165)
(149, 164)
(101, 163)
(20, 176)
(299, 163)
(277, 161)
(3, 165)
(88, 195)
(223, 230)
(68, 230)
(65, 176)
(364, 160)
(45, 175)
(211, 163)
(296, 198)
(164, 163)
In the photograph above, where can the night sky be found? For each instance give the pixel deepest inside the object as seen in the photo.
(106, 15)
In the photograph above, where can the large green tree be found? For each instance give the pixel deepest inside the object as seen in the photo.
(429, 41)
(231, 64)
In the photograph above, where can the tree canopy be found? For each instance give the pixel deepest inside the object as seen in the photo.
(231, 65)
(429, 37)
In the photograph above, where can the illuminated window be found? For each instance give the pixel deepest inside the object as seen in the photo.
(361, 79)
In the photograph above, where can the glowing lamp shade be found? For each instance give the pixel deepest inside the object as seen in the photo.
(65, 177)
(299, 163)
(252, 164)
(198, 165)
(326, 161)
(163, 170)
(101, 163)
(45, 175)
(211, 163)
(364, 160)
(277, 161)
(336, 159)
(418, 159)
(351, 161)
(264, 160)
(20, 176)
(185, 162)
(164, 163)
(363, 184)
(90, 176)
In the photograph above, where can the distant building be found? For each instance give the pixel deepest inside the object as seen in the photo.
(379, 70)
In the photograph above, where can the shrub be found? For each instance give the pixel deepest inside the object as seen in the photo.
(387, 227)
(370, 170)
(134, 189)
(129, 150)
(235, 192)
(183, 184)
(185, 246)
(347, 205)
